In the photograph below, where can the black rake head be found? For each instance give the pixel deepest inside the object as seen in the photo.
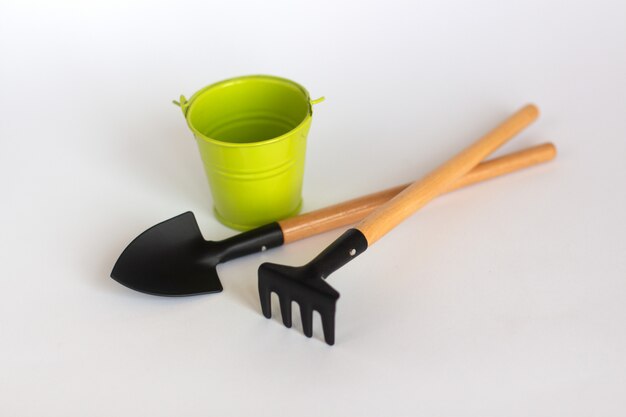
(306, 284)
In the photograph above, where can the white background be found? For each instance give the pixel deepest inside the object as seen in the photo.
(507, 299)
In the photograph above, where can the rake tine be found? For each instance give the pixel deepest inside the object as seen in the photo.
(285, 310)
(328, 324)
(266, 301)
(306, 311)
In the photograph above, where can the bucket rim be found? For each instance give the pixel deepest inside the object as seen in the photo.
(273, 78)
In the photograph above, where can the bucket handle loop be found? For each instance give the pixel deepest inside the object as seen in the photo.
(183, 104)
(317, 100)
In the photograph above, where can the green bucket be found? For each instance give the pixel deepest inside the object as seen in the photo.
(251, 132)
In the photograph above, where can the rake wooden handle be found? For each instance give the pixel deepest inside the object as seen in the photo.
(350, 212)
(393, 212)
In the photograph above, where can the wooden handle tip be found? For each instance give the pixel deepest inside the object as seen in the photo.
(532, 110)
(552, 149)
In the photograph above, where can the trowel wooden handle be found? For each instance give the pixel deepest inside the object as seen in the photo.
(393, 212)
(350, 212)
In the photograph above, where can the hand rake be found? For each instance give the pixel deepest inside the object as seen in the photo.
(306, 284)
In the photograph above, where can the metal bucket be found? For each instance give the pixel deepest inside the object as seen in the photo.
(251, 132)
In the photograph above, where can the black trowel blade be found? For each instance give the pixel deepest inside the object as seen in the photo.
(169, 259)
